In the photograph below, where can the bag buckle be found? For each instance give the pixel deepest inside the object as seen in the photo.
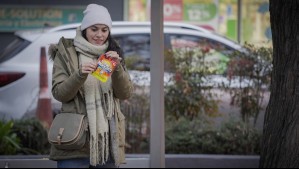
(59, 137)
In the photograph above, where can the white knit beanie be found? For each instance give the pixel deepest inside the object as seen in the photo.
(96, 14)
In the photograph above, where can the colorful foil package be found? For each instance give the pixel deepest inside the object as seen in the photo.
(105, 68)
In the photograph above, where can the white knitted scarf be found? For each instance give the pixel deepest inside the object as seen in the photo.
(99, 102)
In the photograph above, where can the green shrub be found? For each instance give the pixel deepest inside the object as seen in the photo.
(9, 141)
(33, 136)
(199, 136)
(23, 137)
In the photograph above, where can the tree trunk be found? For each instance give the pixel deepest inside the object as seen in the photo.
(281, 126)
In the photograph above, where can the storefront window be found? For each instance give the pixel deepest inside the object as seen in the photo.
(219, 16)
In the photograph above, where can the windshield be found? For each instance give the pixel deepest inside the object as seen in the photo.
(13, 48)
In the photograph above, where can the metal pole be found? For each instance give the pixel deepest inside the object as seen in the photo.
(157, 135)
(126, 10)
(239, 20)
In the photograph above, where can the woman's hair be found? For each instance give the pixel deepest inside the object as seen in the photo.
(113, 46)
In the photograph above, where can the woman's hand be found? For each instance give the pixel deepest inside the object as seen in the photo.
(114, 55)
(87, 68)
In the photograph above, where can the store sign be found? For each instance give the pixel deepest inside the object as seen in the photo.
(173, 10)
(20, 18)
(199, 10)
(190, 10)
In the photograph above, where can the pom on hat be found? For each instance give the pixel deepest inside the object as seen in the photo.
(96, 14)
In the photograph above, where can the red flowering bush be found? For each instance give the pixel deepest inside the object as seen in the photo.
(188, 96)
(252, 70)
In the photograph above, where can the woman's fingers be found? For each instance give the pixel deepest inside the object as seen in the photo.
(88, 67)
(114, 55)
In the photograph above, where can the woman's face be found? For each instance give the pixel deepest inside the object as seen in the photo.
(97, 34)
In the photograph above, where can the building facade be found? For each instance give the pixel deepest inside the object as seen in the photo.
(18, 15)
(216, 15)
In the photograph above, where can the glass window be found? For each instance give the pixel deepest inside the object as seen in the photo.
(136, 50)
(11, 50)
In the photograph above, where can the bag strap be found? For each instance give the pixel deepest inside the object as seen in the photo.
(76, 99)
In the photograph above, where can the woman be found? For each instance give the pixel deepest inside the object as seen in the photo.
(80, 92)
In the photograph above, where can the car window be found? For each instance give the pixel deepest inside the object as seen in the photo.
(217, 54)
(13, 48)
(136, 50)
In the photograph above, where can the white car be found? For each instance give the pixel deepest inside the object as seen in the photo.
(19, 61)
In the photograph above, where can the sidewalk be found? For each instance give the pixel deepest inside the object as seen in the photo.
(142, 161)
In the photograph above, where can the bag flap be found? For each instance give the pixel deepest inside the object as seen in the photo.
(68, 124)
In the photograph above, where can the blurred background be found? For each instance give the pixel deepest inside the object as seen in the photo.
(220, 16)
(200, 119)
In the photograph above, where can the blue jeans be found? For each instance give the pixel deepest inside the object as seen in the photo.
(82, 163)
